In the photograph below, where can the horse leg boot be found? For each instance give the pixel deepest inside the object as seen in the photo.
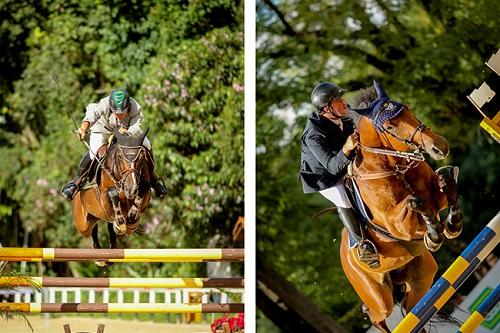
(135, 211)
(69, 190)
(447, 183)
(119, 224)
(433, 238)
(366, 249)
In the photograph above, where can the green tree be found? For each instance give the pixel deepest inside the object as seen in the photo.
(428, 54)
(196, 123)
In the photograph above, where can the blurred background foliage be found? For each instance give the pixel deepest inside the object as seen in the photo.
(182, 61)
(429, 54)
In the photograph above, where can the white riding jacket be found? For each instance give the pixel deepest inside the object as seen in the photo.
(102, 120)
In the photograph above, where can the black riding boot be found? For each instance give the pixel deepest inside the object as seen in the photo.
(159, 187)
(367, 251)
(69, 190)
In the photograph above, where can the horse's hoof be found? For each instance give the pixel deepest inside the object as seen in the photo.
(100, 263)
(452, 231)
(415, 202)
(119, 229)
(365, 310)
(433, 245)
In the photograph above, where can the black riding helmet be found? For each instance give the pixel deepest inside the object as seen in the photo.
(324, 92)
(119, 101)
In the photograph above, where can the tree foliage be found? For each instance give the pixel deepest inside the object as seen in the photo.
(183, 62)
(428, 54)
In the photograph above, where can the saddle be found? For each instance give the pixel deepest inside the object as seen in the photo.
(91, 177)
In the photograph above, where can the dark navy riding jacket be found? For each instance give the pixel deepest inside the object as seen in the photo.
(323, 162)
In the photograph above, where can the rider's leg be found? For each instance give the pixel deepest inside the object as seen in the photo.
(68, 191)
(156, 183)
(96, 140)
(338, 196)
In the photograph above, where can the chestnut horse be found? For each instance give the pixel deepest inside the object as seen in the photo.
(402, 198)
(121, 193)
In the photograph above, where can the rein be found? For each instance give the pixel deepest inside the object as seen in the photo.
(414, 158)
(124, 174)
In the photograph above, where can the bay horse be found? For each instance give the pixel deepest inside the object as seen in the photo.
(121, 193)
(402, 198)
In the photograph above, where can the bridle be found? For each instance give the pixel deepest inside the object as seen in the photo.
(125, 153)
(413, 158)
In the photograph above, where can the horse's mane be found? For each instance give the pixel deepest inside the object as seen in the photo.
(364, 98)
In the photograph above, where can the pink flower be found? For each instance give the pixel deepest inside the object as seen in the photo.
(42, 182)
(238, 87)
(184, 93)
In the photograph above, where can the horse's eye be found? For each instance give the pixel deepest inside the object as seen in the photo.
(390, 127)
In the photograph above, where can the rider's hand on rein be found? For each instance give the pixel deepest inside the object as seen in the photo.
(80, 133)
(350, 144)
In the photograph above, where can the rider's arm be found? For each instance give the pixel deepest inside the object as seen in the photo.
(333, 161)
(93, 112)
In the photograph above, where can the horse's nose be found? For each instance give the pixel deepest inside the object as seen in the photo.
(438, 149)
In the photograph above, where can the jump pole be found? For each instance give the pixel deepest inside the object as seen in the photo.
(120, 255)
(452, 279)
(476, 318)
(42, 282)
(120, 308)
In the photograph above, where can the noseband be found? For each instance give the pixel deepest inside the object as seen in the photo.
(131, 156)
(409, 142)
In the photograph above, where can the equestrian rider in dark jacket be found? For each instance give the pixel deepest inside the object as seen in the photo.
(328, 146)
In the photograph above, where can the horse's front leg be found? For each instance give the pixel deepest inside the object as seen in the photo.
(134, 212)
(95, 237)
(112, 237)
(119, 224)
(433, 238)
(447, 184)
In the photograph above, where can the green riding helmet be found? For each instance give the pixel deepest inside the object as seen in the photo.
(324, 92)
(119, 101)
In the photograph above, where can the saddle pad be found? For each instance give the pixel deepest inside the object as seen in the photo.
(360, 205)
(352, 242)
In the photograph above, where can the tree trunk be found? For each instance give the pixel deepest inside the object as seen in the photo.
(287, 307)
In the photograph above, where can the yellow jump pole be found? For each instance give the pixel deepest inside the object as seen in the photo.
(452, 279)
(476, 318)
(120, 255)
(120, 308)
(42, 282)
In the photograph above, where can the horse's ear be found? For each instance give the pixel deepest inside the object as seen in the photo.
(380, 90)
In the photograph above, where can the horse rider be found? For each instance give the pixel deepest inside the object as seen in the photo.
(119, 111)
(328, 146)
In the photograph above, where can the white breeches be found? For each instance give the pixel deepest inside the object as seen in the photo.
(99, 139)
(337, 195)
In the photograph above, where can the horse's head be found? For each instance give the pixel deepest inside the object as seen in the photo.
(395, 123)
(130, 163)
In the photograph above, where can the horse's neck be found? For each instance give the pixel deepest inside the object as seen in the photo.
(370, 137)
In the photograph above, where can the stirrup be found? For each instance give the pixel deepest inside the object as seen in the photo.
(372, 259)
(160, 183)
